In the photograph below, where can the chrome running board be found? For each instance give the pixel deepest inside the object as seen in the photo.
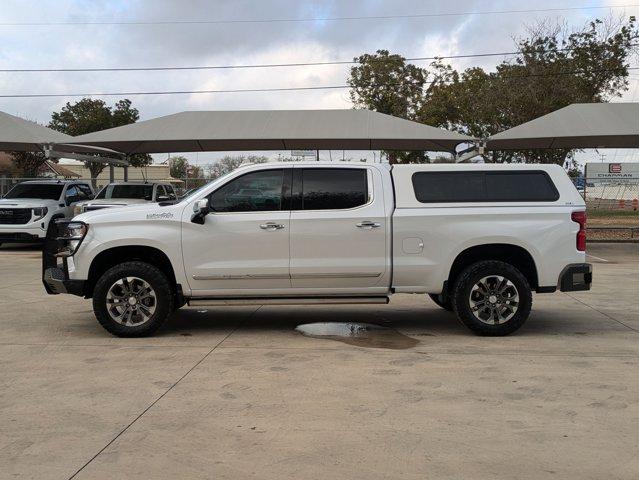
(206, 302)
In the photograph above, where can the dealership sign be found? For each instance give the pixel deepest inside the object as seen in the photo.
(612, 172)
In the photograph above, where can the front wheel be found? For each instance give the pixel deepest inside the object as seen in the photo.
(132, 299)
(492, 298)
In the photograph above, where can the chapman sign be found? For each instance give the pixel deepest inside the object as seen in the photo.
(612, 172)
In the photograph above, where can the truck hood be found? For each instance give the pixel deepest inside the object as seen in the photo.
(27, 203)
(127, 213)
(116, 202)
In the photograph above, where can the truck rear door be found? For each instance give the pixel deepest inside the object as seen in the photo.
(339, 230)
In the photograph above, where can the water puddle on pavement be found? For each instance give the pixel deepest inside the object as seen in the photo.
(358, 334)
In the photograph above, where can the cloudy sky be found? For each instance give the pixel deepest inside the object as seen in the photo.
(451, 30)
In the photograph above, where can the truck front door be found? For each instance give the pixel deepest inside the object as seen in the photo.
(243, 246)
(339, 231)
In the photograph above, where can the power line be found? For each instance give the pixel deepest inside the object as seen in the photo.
(266, 65)
(317, 19)
(277, 89)
(174, 92)
(225, 67)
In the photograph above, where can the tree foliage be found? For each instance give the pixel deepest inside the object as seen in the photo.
(555, 67)
(385, 83)
(28, 164)
(179, 166)
(229, 163)
(91, 115)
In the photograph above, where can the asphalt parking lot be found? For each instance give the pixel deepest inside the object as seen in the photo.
(238, 393)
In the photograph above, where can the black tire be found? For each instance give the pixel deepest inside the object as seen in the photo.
(442, 301)
(163, 300)
(462, 298)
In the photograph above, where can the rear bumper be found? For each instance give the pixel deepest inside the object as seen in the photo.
(576, 278)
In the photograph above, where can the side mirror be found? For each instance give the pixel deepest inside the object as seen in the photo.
(163, 198)
(200, 210)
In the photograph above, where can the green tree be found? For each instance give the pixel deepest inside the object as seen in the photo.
(91, 115)
(555, 68)
(179, 166)
(385, 83)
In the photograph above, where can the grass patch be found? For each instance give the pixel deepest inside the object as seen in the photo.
(596, 213)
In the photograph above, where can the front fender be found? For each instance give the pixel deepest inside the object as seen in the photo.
(162, 235)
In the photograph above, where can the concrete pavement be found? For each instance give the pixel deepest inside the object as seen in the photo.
(237, 393)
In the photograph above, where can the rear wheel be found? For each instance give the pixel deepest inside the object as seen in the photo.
(132, 299)
(442, 301)
(492, 298)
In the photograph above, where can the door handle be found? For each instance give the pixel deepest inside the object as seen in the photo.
(368, 225)
(271, 226)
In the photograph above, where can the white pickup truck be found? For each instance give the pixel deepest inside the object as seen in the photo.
(478, 238)
(120, 194)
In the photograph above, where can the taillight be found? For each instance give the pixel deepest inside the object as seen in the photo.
(580, 218)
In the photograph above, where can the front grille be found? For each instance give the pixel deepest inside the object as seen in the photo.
(14, 216)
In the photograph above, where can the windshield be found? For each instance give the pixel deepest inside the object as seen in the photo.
(36, 190)
(127, 191)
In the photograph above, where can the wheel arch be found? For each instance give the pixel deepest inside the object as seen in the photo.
(113, 256)
(515, 255)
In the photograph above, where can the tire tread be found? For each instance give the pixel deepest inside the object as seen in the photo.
(151, 274)
(491, 267)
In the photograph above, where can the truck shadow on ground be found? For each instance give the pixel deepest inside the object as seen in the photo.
(287, 318)
(420, 321)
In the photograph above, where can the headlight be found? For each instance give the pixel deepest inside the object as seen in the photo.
(39, 213)
(70, 236)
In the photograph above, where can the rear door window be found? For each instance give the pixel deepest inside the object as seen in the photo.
(477, 186)
(330, 188)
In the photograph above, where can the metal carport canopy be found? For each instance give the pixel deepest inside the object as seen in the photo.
(273, 130)
(581, 125)
(19, 135)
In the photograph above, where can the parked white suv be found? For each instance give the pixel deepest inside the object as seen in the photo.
(478, 238)
(27, 209)
(119, 194)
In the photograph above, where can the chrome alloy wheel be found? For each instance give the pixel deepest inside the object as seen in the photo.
(131, 301)
(494, 300)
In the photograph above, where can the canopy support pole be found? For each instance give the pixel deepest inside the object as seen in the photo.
(126, 169)
(470, 153)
